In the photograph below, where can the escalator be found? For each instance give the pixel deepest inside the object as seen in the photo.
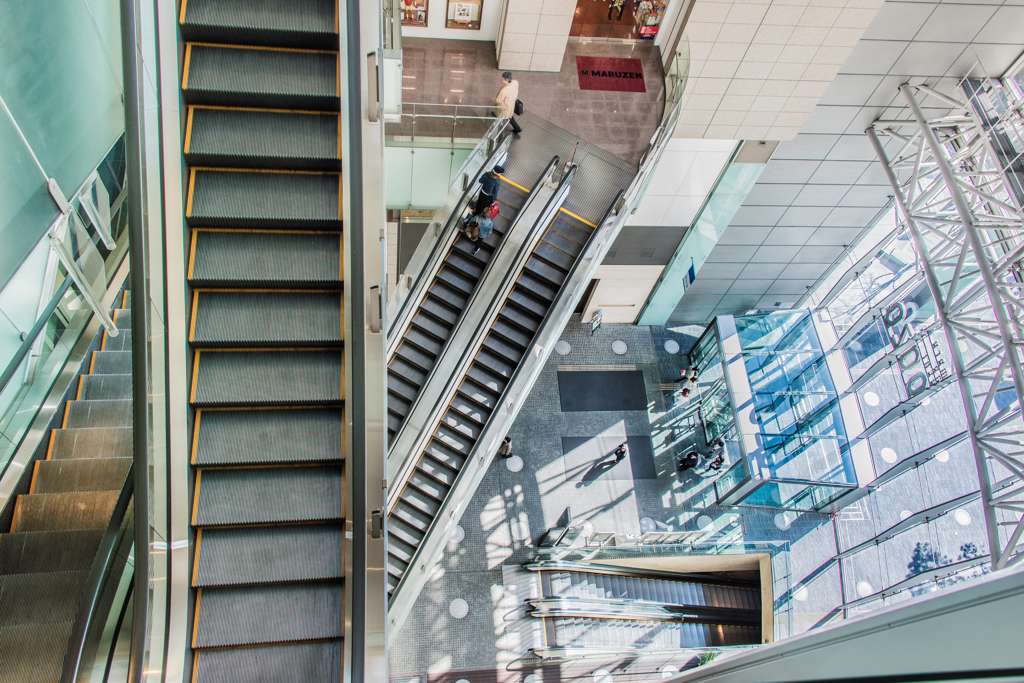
(263, 205)
(590, 607)
(57, 526)
(442, 306)
(456, 432)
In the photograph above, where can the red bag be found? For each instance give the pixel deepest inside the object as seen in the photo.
(493, 210)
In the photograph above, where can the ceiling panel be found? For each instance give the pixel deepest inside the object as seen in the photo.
(788, 236)
(898, 20)
(955, 23)
(747, 235)
(821, 195)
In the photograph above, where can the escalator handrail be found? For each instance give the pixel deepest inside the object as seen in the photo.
(33, 334)
(410, 454)
(533, 192)
(98, 575)
(603, 608)
(636, 572)
(404, 312)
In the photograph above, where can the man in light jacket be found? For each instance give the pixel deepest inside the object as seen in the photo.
(506, 99)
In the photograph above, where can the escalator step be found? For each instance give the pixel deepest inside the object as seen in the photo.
(544, 270)
(469, 267)
(394, 424)
(40, 598)
(466, 248)
(512, 333)
(111, 363)
(264, 139)
(442, 303)
(487, 379)
(454, 440)
(412, 516)
(402, 387)
(528, 303)
(225, 257)
(396, 568)
(401, 551)
(470, 410)
(122, 342)
(270, 664)
(498, 365)
(105, 387)
(123, 319)
(456, 421)
(423, 502)
(63, 511)
(575, 233)
(266, 77)
(554, 256)
(110, 413)
(415, 356)
(460, 284)
(68, 476)
(243, 437)
(263, 200)
(48, 551)
(268, 614)
(269, 554)
(34, 653)
(427, 342)
(436, 469)
(407, 371)
(267, 377)
(536, 286)
(428, 485)
(562, 243)
(517, 316)
(445, 454)
(250, 318)
(399, 406)
(485, 397)
(427, 318)
(502, 348)
(106, 442)
(407, 533)
(268, 494)
(298, 23)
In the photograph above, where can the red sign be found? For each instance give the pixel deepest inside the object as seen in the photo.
(648, 31)
(610, 73)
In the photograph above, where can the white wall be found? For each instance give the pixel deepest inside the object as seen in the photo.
(436, 17)
(621, 292)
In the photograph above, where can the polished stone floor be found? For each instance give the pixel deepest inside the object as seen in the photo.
(465, 72)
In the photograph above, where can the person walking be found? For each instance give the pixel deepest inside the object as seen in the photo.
(506, 99)
(490, 182)
(505, 449)
(616, 5)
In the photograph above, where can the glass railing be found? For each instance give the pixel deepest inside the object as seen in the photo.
(441, 123)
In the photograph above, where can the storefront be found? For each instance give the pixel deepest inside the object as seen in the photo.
(621, 19)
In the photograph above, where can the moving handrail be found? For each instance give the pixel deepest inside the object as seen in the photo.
(599, 608)
(400, 309)
(87, 628)
(400, 443)
(33, 334)
(404, 452)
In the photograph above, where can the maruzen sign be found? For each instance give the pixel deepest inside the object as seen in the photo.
(921, 366)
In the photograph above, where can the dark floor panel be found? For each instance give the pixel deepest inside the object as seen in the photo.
(602, 390)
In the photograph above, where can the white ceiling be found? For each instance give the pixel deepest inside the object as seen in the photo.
(825, 186)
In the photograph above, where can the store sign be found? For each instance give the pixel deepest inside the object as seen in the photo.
(921, 366)
(648, 31)
(615, 74)
(595, 322)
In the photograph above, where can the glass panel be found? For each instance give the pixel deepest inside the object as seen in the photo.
(793, 496)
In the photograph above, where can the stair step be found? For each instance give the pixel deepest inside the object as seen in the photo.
(232, 378)
(91, 442)
(105, 387)
(297, 259)
(252, 199)
(106, 413)
(48, 551)
(69, 476)
(297, 23)
(268, 614)
(298, 662)
(244, 76)
(111, 363)
(122, 342)
(258, 318)
(269, 554)
(243, 437)
(268, 495)
(63, 511)
(34, 653)
(123, 319)
(262, 139)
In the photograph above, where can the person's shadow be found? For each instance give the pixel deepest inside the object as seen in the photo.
(599, 468)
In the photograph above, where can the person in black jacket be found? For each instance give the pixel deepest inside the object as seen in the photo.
(489, 185)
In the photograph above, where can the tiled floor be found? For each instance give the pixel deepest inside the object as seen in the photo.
(466, 72)
(591, 20)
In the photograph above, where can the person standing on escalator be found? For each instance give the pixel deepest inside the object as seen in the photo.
(490, 183)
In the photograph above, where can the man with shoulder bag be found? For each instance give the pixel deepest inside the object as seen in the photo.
(508, 100)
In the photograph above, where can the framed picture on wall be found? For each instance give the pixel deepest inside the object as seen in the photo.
(414, 13)
(464, 14)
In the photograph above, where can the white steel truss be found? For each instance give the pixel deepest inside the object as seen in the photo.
(969, 234)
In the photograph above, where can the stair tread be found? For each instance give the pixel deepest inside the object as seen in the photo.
(238, 437)
(264, 139)
(268, 377)
(64, 511)
(267, 317)
(91, 442)
(251, 199)
(269, 495)
(299, 258)
(91, 474)
(270, 664)
(268, 554)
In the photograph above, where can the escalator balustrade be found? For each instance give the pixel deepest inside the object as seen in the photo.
(442, 307)
(264, 209)
(481, 388)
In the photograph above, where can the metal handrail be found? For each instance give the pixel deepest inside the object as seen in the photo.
(98, 575)
(399, 320)
(397, 441)
(647, 610)
(33, 334)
